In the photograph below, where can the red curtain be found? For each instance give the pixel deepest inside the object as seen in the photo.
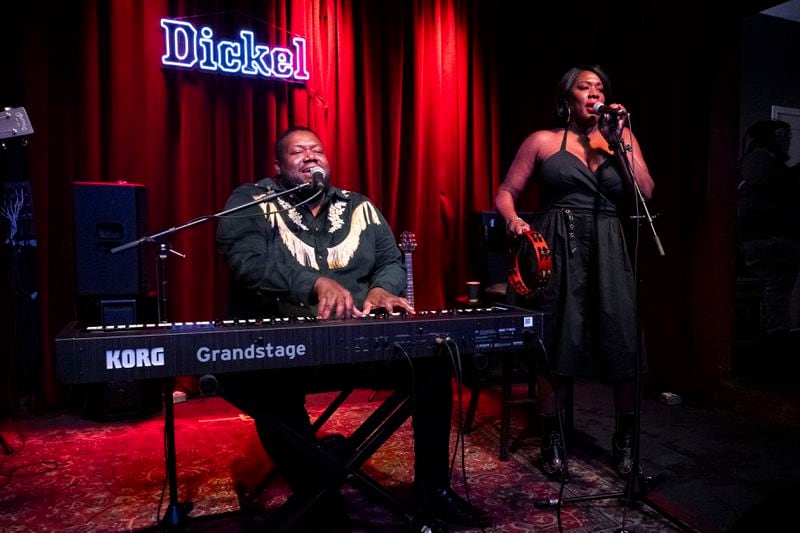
(401, 93)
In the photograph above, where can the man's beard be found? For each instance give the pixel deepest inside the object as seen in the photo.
(301, 195)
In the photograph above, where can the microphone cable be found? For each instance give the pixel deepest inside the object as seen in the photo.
(458, 371)
(637, 217)
(449, 344)
(455, 363)
(413, 384)
(273, 213)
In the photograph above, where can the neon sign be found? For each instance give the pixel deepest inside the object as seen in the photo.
(187, 47)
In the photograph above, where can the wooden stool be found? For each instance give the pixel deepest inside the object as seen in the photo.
(512, 372)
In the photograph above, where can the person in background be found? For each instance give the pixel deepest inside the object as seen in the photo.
(328, 253)
(591, 295)
(768, 229)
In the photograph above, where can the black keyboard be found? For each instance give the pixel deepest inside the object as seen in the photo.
(144, 351)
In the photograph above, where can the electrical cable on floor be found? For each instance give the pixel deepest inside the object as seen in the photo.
(407, 358)
(455, 363)
(9, 453)
(28, 469)
(413, 391)
(9, 473)
(551, 376)
(458, 371)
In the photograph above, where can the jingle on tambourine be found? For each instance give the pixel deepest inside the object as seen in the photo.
(529, 264)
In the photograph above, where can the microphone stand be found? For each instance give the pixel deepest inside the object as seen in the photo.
(620, 150)
(176, 514)
(635, 485)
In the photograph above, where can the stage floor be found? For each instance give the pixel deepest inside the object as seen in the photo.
(70, 474)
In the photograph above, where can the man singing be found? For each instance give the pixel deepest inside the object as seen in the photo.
(328, 253)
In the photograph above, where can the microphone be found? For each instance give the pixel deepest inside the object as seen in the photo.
(318, 176)
(601, 108)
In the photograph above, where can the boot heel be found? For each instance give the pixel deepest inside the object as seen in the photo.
(553, 454)
(622, 452)
(622, 444)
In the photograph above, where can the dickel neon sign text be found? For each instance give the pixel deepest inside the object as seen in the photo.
(186, 46)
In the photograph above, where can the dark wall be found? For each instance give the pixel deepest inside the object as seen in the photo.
(770, 67)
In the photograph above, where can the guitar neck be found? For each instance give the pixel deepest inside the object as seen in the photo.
(409, 278)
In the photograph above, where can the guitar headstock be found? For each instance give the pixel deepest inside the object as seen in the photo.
(408, 242)
(14, 122)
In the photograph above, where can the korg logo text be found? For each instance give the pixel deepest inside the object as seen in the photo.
(134, 358)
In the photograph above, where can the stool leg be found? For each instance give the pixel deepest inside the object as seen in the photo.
(505, 414)
(472, 407)
(533, 406)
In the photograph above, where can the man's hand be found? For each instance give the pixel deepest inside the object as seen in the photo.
(378, 297)
(334, 300)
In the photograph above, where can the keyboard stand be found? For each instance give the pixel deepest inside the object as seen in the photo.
(379, 426)
(248, 501)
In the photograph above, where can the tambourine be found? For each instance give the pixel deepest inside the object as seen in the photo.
(529, 264)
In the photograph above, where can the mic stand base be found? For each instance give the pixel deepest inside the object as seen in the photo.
(176, 515)
(635, 491)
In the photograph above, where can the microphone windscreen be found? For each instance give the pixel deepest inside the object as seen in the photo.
(318, 176)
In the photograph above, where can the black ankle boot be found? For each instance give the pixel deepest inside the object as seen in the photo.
(622, 443)
(553, 454)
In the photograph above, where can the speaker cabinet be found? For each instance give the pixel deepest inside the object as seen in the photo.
(111, 288)
(495, 245)
(120, 400)
(108, 215)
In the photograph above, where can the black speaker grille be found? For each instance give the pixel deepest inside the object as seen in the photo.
(108, 215)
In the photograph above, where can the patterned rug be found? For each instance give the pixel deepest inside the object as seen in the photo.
(69, 474)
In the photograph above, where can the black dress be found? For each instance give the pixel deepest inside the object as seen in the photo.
(591, 295)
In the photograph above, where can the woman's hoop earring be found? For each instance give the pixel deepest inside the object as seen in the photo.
(569, 113)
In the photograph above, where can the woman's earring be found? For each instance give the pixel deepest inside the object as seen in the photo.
(569, 113)
(564, 111)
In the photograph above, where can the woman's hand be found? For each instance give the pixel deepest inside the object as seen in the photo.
(611, 126)
(517, 226)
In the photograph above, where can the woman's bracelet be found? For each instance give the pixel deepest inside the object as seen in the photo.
(508, 224)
